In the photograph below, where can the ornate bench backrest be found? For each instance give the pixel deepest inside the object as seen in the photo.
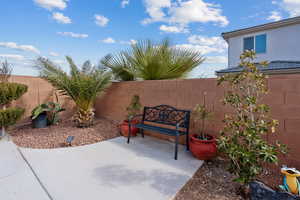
(168, 115)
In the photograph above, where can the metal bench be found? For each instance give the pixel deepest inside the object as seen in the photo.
(176, 123)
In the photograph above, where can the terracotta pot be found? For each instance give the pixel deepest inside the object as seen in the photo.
(203, 149)
(125, 128)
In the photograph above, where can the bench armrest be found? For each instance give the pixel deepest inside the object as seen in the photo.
(134, 117)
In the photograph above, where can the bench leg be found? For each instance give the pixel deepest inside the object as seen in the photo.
(187, 142)
(129, 133)
(176, 146)
(142, 132)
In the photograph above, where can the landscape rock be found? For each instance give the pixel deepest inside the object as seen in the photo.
(259, 191)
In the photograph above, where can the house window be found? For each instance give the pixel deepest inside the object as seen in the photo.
(257, 43)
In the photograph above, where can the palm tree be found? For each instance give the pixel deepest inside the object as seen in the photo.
(149, 61)
(81, 85)
(119, 65)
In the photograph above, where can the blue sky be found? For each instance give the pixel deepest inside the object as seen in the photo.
(88, 30)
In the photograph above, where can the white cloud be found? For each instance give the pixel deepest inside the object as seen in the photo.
(60, 18)
(13, 45)
(124, 3)
(197, 11)
(100, 20)
(292, 7)
(173, 29)
(74, 35)
(274, 16)
(205, 44)
(216, 59)
(108, 40)
(12, 56)
(210, 44)
(155, 10)
(51, 4)
(184, 12)
(130, 42)
(54, 54)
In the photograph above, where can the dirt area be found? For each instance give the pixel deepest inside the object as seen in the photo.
(55, 136)
(212, 181)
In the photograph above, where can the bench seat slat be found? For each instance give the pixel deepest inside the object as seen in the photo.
(166, 131)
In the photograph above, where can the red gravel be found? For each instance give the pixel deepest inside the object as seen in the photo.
(55, 136)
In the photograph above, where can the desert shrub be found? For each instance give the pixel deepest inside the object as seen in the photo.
(10, 116)
(11, 91)
(8, 93)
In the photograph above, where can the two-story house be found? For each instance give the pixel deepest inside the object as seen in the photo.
(276, 42)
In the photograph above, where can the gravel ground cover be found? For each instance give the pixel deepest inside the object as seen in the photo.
(55, 136)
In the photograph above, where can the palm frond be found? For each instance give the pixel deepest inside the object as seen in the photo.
(119, 66)
(150, 61)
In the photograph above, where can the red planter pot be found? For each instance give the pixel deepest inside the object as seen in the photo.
(125, 128)
(203, 149)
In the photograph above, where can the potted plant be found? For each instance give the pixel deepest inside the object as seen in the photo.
(202, 145)
(133, 109)
(46, 114)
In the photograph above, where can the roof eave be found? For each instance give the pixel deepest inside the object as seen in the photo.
(268, 72)
(263, 27)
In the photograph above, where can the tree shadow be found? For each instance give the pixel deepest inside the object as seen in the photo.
(165, 182)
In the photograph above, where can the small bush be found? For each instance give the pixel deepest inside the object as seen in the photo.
(11, 91)
(10, 116)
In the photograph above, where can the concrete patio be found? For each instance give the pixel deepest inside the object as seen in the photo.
(144, 169)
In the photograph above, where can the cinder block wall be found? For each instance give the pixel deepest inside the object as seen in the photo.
(283, 97)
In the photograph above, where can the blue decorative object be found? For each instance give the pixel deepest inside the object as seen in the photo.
(69, 140)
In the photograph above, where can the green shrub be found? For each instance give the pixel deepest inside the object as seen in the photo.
(8, 93)
(242, 138)
(134, 107)
(10, 116)
(11, 91)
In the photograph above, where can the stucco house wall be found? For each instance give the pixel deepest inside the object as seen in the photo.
(282, 44)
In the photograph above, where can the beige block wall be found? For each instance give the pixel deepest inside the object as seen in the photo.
(283, 97)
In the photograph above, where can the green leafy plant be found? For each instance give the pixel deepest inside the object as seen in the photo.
(242, 137)
(200, 114)
(10, 116)
(8, 93)
(11, 91)
(120, 66)
(147, 60)
(134, 107)
(83, 86)
(51, 109)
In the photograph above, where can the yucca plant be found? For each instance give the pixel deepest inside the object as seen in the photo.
(147, 60)
(83, 85)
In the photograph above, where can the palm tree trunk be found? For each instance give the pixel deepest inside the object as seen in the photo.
(84, 118)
